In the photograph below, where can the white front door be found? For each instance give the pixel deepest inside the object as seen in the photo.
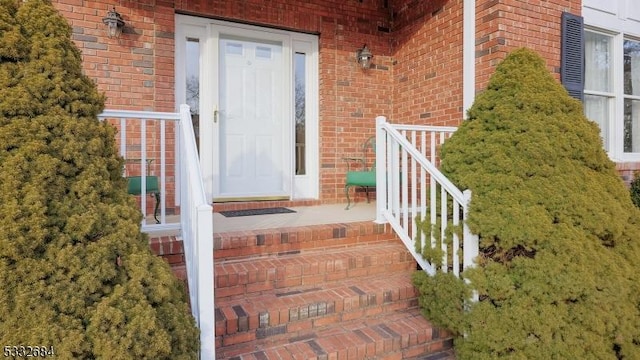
(253, 119)
(255, 90)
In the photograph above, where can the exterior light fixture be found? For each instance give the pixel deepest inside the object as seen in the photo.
(114, 23)
(364, 56)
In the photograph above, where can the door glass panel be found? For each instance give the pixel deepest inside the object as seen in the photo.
(234, 49)
(193, 84)
(263, 52)
(300, 112)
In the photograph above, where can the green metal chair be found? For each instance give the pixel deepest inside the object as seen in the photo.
(152, 187)
(365, 176)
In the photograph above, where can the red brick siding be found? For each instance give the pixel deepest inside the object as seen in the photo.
(504, 25)
(136, 70)
(427, 49)
(628, 170)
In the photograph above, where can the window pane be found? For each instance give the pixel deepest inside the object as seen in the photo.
(597, 50)
(596, 108)
(263, 52)
(631, 125)
(234, 49)
(632, 67)
(193, 84)
(300, 111)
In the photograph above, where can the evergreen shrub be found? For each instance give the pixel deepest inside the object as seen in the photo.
(558, 276)
(76, 272)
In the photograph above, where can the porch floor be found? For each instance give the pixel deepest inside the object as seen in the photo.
(303, 216)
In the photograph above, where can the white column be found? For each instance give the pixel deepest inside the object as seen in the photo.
(381, 170)
(468, 54)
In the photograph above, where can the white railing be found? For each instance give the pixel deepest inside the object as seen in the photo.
(143, 138)
(197, 234)
(142, 141)
(424, 208)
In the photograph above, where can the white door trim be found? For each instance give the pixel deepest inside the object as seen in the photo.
(208, 31)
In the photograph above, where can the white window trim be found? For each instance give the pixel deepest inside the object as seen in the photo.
(612, 22)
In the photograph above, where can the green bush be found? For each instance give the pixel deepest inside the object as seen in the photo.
(76, 272)
(558, 274)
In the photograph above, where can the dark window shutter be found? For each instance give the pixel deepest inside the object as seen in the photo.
(572, 55)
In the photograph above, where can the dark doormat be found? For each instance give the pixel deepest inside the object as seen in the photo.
(252, 212)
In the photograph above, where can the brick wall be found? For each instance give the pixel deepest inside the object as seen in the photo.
(504, 25)
(628, 171)
(136, 71)
(427, 53)
(417, 47)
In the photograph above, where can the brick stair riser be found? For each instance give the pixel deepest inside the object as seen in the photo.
(254, 243)
(274, 334)
(310, 308)
(238, 248)
(169, 248)
(408, 348)
(399, 339)
(237, 280)
(338, 299)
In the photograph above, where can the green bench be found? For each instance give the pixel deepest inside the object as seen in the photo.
(134, 187)
(152, 186)
(365, 176)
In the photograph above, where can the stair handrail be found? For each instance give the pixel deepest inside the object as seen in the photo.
(393, 205)
(196, 219)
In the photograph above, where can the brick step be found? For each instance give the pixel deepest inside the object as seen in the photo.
(303, 308)
(448, 354)
(401, 334)
(243, 244)
(238, 278)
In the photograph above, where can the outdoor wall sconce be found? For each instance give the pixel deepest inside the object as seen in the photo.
(114, 23)
(364, 56)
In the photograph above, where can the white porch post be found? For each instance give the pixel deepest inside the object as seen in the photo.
(468, 55)
(381, 178)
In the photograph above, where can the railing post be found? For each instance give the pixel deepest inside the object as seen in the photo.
(206, 297)
(381, 165)
(197, 229)
(470, 243)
